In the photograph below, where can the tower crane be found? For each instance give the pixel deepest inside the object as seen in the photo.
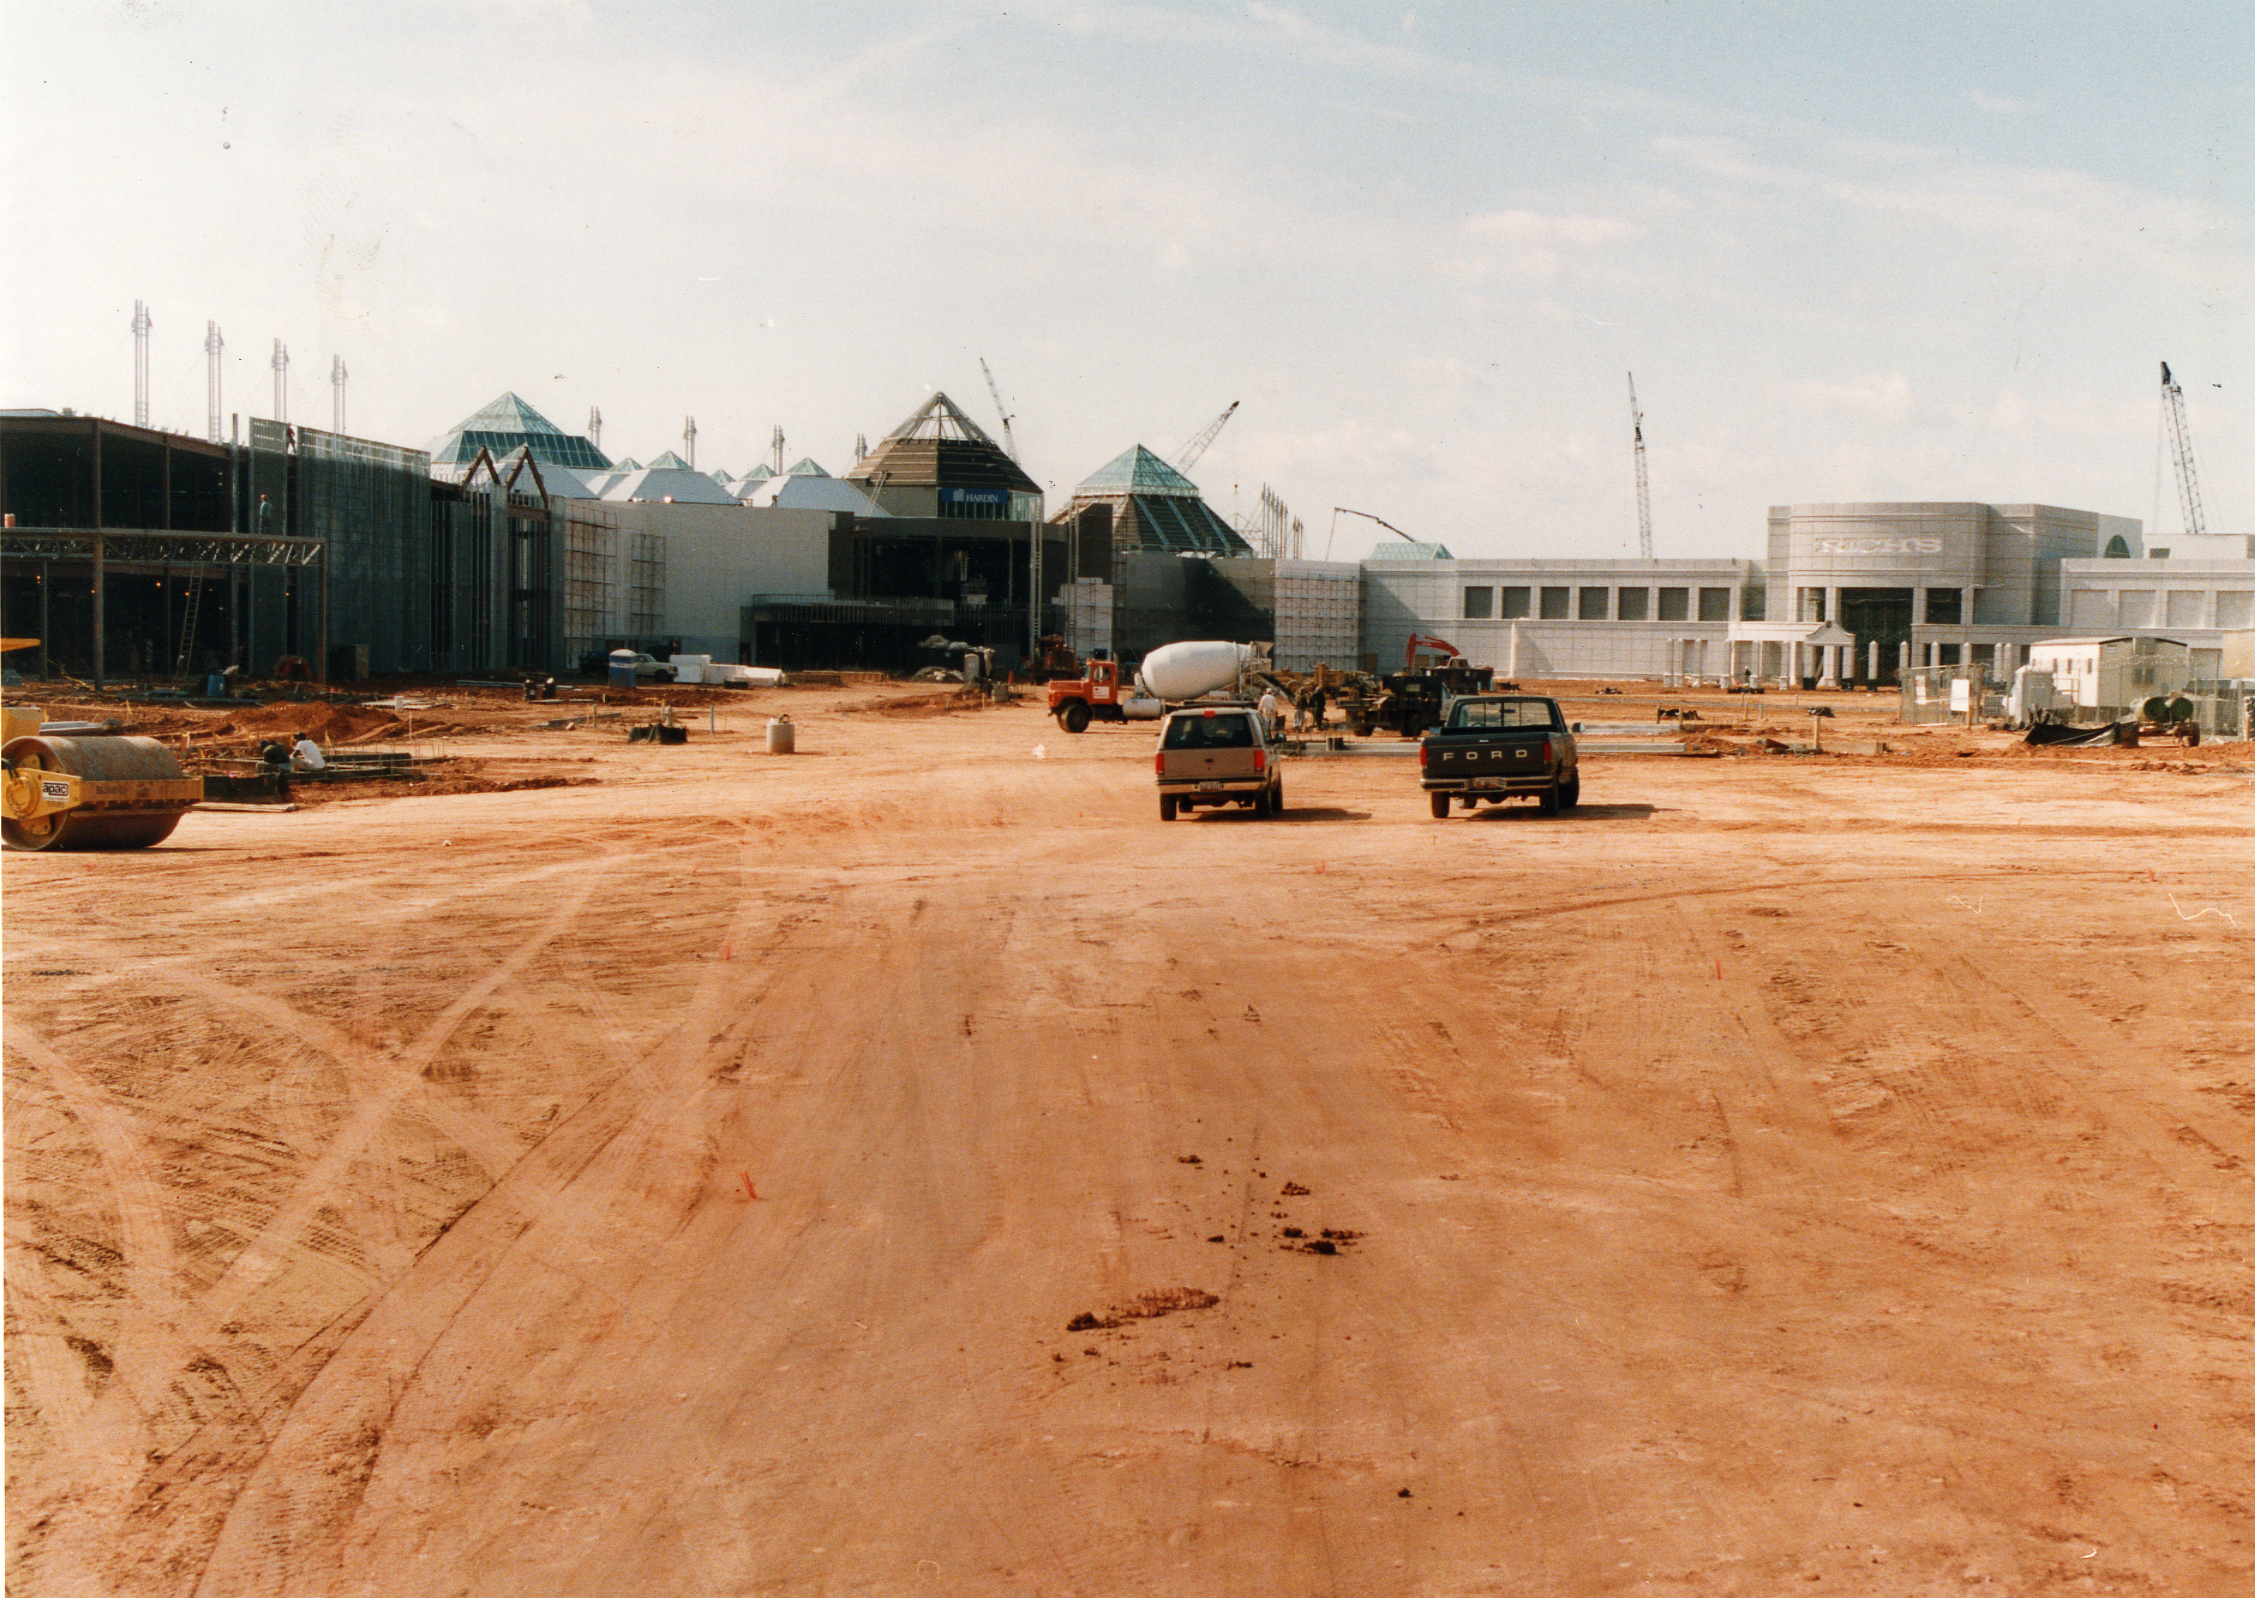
(1643, 486)
(1187, 456)
(2180, 441)
(1009, 443)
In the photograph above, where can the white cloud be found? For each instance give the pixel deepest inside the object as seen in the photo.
(1883, 396)
(1538, 243)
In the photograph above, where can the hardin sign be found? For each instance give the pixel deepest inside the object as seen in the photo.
(1878, 546)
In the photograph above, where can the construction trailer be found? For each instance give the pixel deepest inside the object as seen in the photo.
(2112, 675)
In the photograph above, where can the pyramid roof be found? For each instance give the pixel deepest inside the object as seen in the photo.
(677, 483)
(940, 447)
(669, 461)
(802, 492)
(806, 467)
(508, 423)
(940, 417)
(1137, 471)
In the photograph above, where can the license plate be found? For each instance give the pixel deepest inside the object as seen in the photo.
(1487, 782)
(1209, 787)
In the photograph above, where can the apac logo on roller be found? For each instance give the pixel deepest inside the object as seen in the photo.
(1879, 546)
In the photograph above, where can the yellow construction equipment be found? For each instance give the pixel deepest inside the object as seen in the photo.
(88, 793)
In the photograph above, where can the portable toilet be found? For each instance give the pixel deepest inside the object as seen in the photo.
(622, 668)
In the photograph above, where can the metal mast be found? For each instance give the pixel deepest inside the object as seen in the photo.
(141, 326)
(595, 425)
(1187, 456)
(281, 382)
(1009, 442)
(337, 382)
(779, 449)
(1643, 486)
(689, 437)
(213, 344)
(2180, 441)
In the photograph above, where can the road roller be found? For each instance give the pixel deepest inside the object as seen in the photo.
(90, 793)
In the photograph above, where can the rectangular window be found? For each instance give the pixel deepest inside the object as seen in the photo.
(1714, 604)
(1947, 654)
(1479, 604)
(1517, 602)
(1945, 606)
(1636, 604)
(1675, 604)
(1592, 605)
(1555, 602)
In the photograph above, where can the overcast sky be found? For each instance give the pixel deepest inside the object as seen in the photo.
(1897, 251)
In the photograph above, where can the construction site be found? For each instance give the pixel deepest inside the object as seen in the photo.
(600, 1145)
(578, 1026)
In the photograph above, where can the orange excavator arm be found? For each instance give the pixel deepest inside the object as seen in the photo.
(1432, 645)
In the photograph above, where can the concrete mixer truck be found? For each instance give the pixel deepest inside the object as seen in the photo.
(1171, 675)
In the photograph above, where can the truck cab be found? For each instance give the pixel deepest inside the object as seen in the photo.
(1493, 747)
(1103, 692)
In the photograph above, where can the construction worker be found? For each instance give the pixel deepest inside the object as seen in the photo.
(305, 754)
(1272, 713)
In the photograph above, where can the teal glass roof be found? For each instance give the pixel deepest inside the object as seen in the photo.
(507, 424)
(1137, 471)
(669, 461)
(1389, 553)
(806, 468)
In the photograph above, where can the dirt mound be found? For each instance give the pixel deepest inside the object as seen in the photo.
(327, 724)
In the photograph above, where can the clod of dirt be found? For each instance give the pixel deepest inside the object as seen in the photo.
(1404, 1493)
(1323, 1245)
(1166, 1300)
(1340, 1234)
(1294, 1190)
(1217, 1238)
(1145, 1307)
(1188, 1159)
(1294, 1231)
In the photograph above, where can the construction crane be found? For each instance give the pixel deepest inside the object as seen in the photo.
(1338, 511)
(1187, 456)
(1643, 487)
(2180, 440)
(1009, 444)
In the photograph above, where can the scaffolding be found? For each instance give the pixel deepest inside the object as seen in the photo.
(646, 585)
(591, 553)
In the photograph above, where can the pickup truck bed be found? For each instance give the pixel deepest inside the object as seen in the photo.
(1495, 747)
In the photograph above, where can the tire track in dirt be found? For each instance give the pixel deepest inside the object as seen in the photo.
(292, 1528)
(263, 1254)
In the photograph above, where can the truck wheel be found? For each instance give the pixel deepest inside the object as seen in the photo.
(1074, 717)
(1570, 794)
(1547, 801)
(1440, 806)
(1166, 807)
(1276, 800)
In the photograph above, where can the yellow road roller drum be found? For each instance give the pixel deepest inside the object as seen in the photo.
(91, 793)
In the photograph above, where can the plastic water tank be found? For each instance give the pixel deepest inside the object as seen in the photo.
(782, 737)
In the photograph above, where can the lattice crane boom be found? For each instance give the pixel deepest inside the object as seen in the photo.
(1643, 484)
(1187, 456)
(2180, 442)
(1009, 442)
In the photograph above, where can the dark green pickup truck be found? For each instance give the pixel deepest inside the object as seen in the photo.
(1493, 747)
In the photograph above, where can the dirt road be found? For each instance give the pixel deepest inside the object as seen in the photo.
(1773, 1177)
